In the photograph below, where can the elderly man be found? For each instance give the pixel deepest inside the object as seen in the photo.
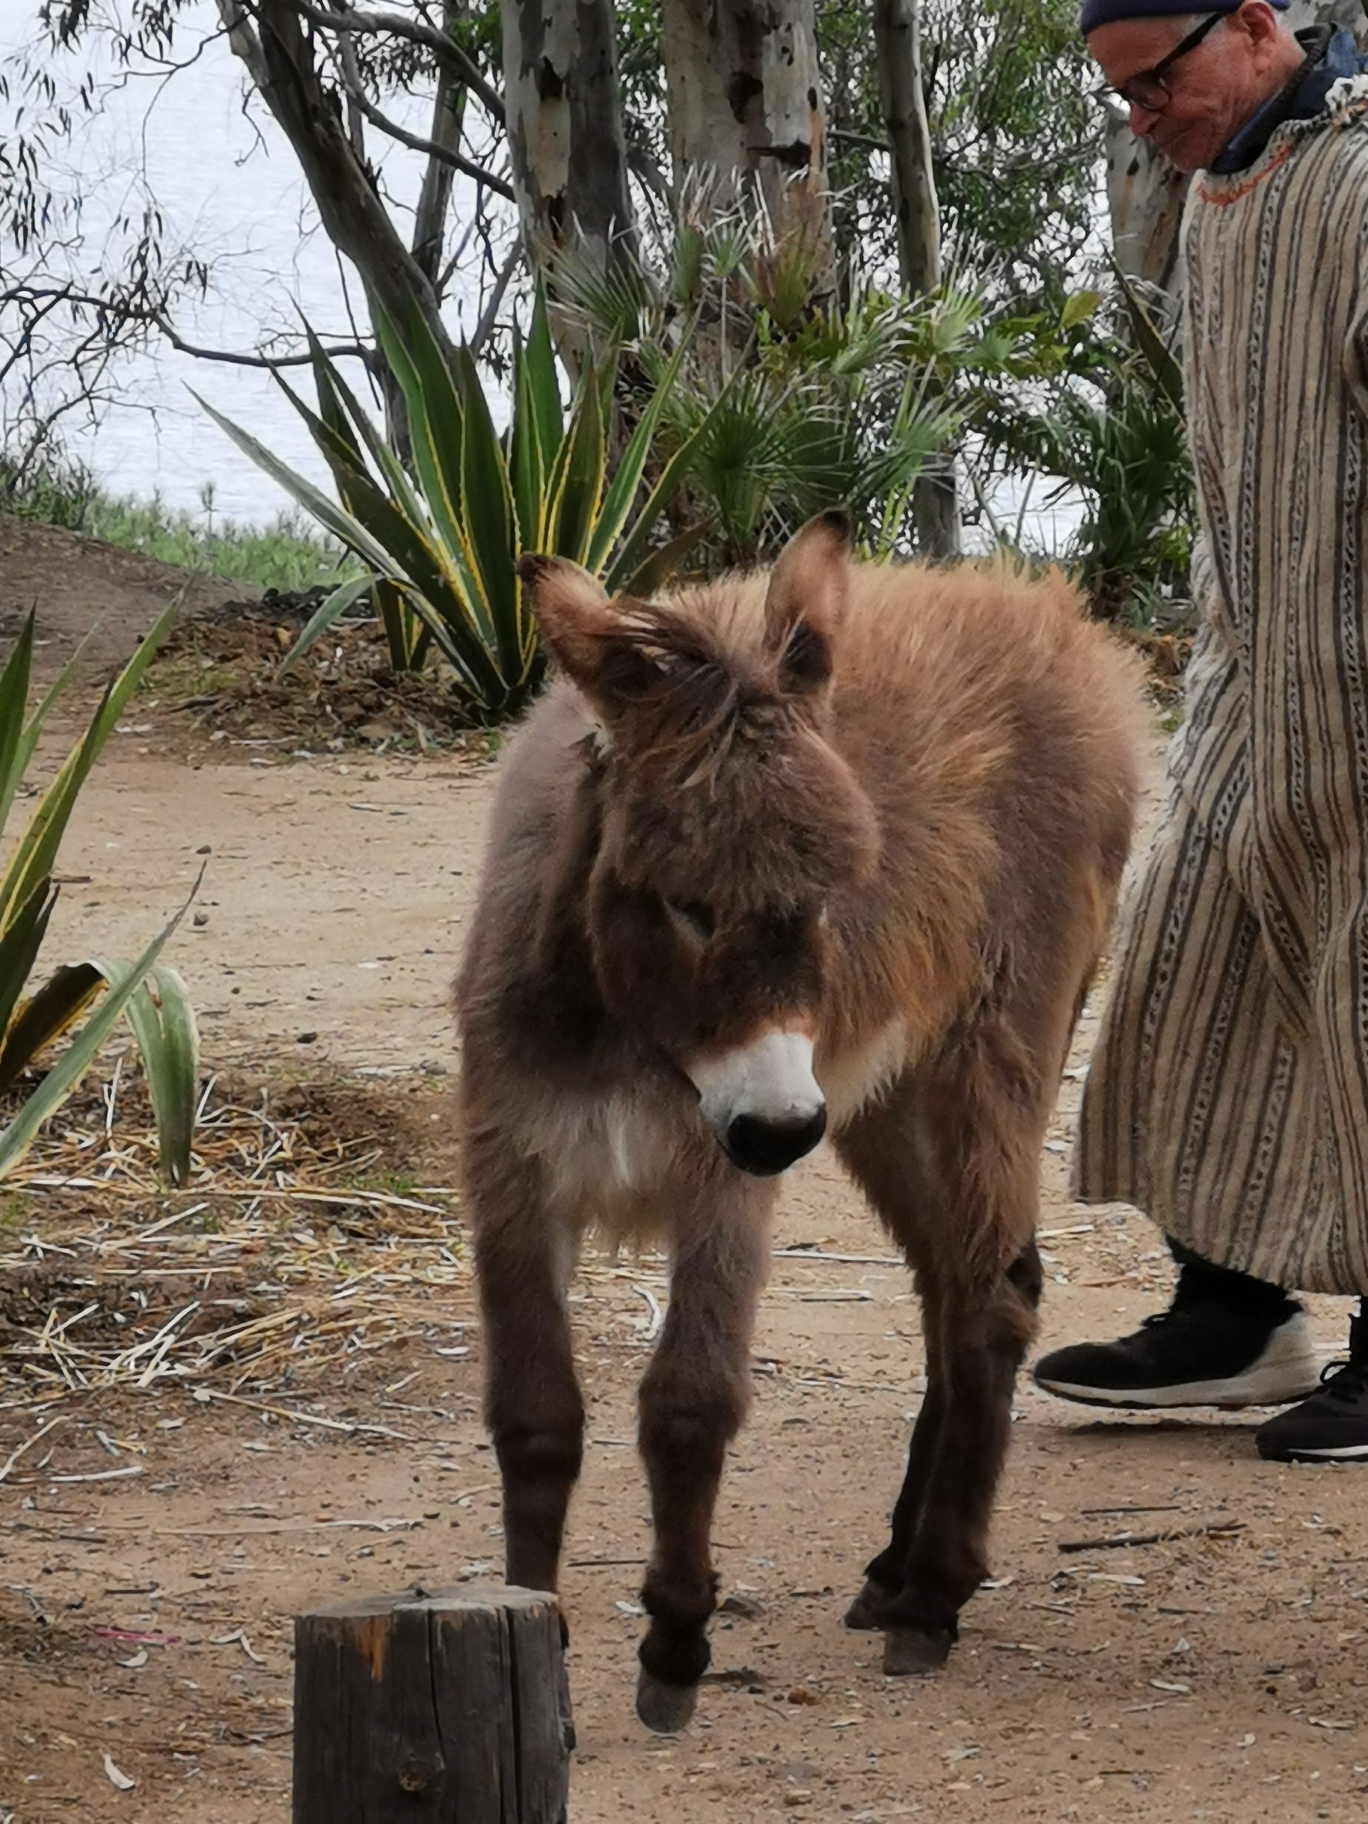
(1228, 1097)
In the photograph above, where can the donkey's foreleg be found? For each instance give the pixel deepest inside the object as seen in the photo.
(981, 1345)
(692, 1401)
(532, 1400)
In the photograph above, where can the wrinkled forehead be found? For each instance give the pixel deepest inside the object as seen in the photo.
(1128, 47)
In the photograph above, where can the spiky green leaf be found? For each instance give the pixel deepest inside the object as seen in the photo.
(163, 1021)
(68, 1070)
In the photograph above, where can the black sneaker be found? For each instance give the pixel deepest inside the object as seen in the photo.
(1194, 1354)
(1332, 1426)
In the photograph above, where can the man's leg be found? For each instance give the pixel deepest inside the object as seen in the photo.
(1227, 1339)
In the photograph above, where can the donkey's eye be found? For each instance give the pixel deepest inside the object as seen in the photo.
(697, 920)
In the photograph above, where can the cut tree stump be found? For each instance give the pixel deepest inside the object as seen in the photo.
(442, 1707)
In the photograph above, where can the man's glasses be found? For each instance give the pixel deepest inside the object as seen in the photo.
(1150, 88)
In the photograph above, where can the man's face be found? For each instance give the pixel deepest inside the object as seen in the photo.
(1213, 89)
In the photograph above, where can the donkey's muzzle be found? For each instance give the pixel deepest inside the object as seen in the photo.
(764, 1148)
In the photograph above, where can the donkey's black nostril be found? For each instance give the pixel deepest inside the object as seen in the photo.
(764, 1148)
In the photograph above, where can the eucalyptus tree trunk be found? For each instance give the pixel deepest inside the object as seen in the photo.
(902, 101)
(278, 54)
(565, 134)
(746, 111)
(897, 43)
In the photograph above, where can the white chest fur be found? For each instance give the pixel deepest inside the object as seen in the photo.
(608, 1160)
(852, 1078)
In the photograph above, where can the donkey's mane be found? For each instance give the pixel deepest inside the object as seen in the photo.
(693, 694)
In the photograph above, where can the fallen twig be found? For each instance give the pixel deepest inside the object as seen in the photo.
(301, 1418)
(1216, 1529)
(845, 1260)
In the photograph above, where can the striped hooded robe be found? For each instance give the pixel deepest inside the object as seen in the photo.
(1228, 1095)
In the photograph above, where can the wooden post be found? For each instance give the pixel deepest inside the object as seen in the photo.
(450, 1707)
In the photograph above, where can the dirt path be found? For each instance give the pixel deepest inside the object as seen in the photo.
(146, 1616)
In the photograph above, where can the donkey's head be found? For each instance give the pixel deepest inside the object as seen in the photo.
(726, 826)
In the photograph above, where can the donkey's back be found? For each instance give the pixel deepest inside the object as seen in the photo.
(833, 848)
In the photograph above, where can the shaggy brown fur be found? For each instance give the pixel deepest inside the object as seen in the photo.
(834, 846)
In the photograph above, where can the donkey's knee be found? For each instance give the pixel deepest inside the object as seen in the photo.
(684, 1438)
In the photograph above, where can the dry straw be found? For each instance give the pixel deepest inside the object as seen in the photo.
(275, 1269)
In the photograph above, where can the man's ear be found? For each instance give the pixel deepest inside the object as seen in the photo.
(806, 601)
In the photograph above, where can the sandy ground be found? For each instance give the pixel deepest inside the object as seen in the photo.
(1209, 1676)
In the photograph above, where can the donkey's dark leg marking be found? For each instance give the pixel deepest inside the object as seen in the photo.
(880, 1151)
(693, 1398)
(884, 1573)
(982, 1344)
(532, 1400)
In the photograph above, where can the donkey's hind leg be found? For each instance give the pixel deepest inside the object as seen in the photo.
(693, 1399)
(879, 1150)
(981, 1345)
(950, 1162)
(532, 1400)
(883, 1575)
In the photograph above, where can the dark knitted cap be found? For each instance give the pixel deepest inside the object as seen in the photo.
(1107, 12)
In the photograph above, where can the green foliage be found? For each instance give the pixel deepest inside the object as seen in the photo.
(789, 406)
(154, 999)
(285, 555)
(441, 536)
(48, 489)
(1016, 138)
(1114, 432)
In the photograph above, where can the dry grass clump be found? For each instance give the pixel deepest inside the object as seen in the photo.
(288, 1260)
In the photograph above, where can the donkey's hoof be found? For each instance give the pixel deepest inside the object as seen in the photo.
(912, 1653)
(869, 1607)
(665, 1709)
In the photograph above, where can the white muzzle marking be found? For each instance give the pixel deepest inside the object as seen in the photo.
(768, 1080)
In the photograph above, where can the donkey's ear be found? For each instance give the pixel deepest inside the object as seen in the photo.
(573, 613)
(806, 601)
(583, 630)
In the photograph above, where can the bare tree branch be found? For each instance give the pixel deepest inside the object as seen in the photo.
(351, 79)
(46, 299)
(489, 315)
(445, 49)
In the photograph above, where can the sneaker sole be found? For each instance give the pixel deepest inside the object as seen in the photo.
(1348, 1453)
(1259, 1387)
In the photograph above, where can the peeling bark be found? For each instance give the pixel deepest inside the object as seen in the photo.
(745, 107)
(565, 130)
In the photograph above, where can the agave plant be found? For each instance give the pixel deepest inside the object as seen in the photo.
(441, 538)
(153, 998)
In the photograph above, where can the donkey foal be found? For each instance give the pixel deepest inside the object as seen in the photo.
(832, 849)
